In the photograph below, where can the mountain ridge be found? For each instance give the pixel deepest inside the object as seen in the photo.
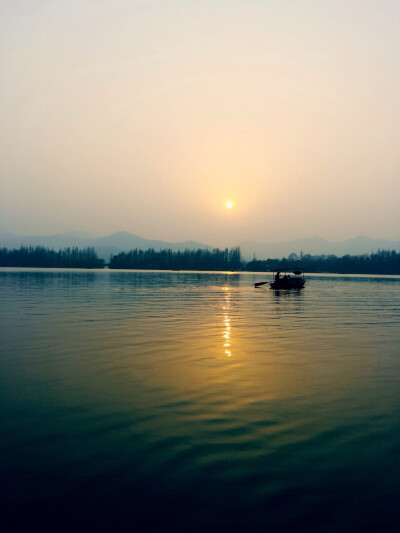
(122, 241)
(317, 246)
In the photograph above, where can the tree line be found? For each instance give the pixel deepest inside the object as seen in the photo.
(41, 257)
(216, 259)
(380, 262)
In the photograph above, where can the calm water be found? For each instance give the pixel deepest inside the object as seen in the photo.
(154, 401)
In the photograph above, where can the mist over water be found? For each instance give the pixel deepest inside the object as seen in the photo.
(192, 401)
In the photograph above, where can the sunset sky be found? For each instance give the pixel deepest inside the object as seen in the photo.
(149, 116)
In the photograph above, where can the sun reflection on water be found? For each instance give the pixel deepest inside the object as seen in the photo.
(227, 322)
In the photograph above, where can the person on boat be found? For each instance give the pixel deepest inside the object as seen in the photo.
(277, 277)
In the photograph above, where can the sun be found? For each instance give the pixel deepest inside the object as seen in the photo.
(229, 204)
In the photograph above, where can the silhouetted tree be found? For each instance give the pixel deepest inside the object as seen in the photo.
(181, 260)
(41, 257)
(380, 262)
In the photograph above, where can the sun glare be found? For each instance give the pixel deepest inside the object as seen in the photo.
(228, 204)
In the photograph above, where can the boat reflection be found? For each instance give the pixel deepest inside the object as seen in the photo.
(294, 294)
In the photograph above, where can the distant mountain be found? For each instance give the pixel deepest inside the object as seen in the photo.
(129, 241)
(10, 240)
(363, 244)
(82, 234)
(317, 245)
(121, 241)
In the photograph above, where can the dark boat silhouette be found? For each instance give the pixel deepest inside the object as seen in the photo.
(286, 281)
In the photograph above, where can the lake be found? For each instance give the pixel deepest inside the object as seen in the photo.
(188, 401)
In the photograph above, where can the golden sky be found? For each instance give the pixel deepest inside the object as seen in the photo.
(148, 116)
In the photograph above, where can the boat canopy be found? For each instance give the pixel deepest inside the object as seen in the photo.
(297, 271)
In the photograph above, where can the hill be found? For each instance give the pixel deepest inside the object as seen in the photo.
(123, 241)
(317, 246)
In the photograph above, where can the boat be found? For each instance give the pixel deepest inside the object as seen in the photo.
(287, 280)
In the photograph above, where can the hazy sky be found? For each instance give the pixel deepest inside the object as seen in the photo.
(147, 116)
